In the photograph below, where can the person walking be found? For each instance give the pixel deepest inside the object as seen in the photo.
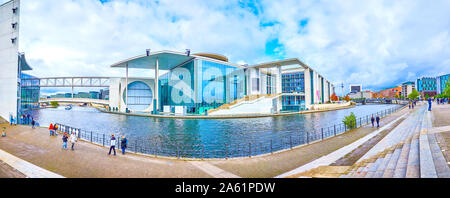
(113, 145)
(378, 121)
(51, 129)
(73, 139)
(123, 144)
(409, 105)
(373, 120)
(429, 104)
(33, 123)
(64, 139)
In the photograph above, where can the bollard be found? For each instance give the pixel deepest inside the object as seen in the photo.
(334, 130)
(91, 136)
(103, 139)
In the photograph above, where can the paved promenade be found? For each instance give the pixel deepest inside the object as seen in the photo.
(38, 148)
(415, 148)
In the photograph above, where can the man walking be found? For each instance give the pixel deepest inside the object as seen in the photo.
(113, 145)
(33, 123)
(123, 144)
(429, 104)
(373, 120)
(73, 139)
(378, 121)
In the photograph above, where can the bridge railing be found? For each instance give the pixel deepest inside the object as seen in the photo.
(162, 146)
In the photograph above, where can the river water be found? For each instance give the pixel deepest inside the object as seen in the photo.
(218, 136)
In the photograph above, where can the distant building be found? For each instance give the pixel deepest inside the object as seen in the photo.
(94, 95)
(355, 88)
(363, 94)
(390, 92)
(441, 82)
(426, 86)
(407, 88)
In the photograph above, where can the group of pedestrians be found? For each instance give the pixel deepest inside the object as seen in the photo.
(123, 144)
(24, 119)
(52, 128)
(377, 119)
(412, 104)
(73, 139)
(442, 100)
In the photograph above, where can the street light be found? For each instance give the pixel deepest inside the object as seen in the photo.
(188, 52)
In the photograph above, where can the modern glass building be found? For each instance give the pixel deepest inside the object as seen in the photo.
(30, 91)
(441, 83)
(426, 86)
(293, 82)
(204, 83)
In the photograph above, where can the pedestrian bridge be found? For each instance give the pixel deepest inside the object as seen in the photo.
(75, 100)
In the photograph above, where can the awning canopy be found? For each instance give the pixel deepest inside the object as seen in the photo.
(23, 63)
(286, 62)
(167, 60)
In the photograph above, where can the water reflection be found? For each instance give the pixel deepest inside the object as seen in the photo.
(213, 133)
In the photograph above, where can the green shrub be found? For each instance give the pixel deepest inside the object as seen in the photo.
(350, 121)
(54, 103)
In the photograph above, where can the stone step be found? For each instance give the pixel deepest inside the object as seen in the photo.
(427, 169)
(412, 168)
(389, 172)
(382, 167)
(400, 169)
(373, 168)
(442, 169)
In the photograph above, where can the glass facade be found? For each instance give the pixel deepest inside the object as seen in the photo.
(426, 84)
(29, 92)
(200, 85)
(441, 82)
(140, 96)
(293, 83)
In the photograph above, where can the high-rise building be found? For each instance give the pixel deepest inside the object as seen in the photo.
(441, 83)
(407, 88)
(355, 88)
(426, 86)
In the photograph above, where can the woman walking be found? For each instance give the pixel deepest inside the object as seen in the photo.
(64, 139)
(73, 139)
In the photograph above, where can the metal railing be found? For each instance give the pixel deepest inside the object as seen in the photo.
(159, 147)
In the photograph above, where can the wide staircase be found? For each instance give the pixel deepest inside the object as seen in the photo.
(409, 152)
(249, 99)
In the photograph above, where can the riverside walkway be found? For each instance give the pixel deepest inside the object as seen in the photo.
(88, 160)
(413, 149)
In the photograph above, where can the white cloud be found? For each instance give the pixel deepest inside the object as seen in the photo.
(377, 43)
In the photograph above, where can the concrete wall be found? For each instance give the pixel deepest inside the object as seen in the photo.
(259, 106)
(117, 89)
(9, 59)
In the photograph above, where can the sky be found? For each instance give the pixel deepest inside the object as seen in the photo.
(376, 43)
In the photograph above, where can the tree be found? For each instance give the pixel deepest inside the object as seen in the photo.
(334, 97)
(54, 103)
(446, 92)
(347, 98)
(350, 121)
(413, 95)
